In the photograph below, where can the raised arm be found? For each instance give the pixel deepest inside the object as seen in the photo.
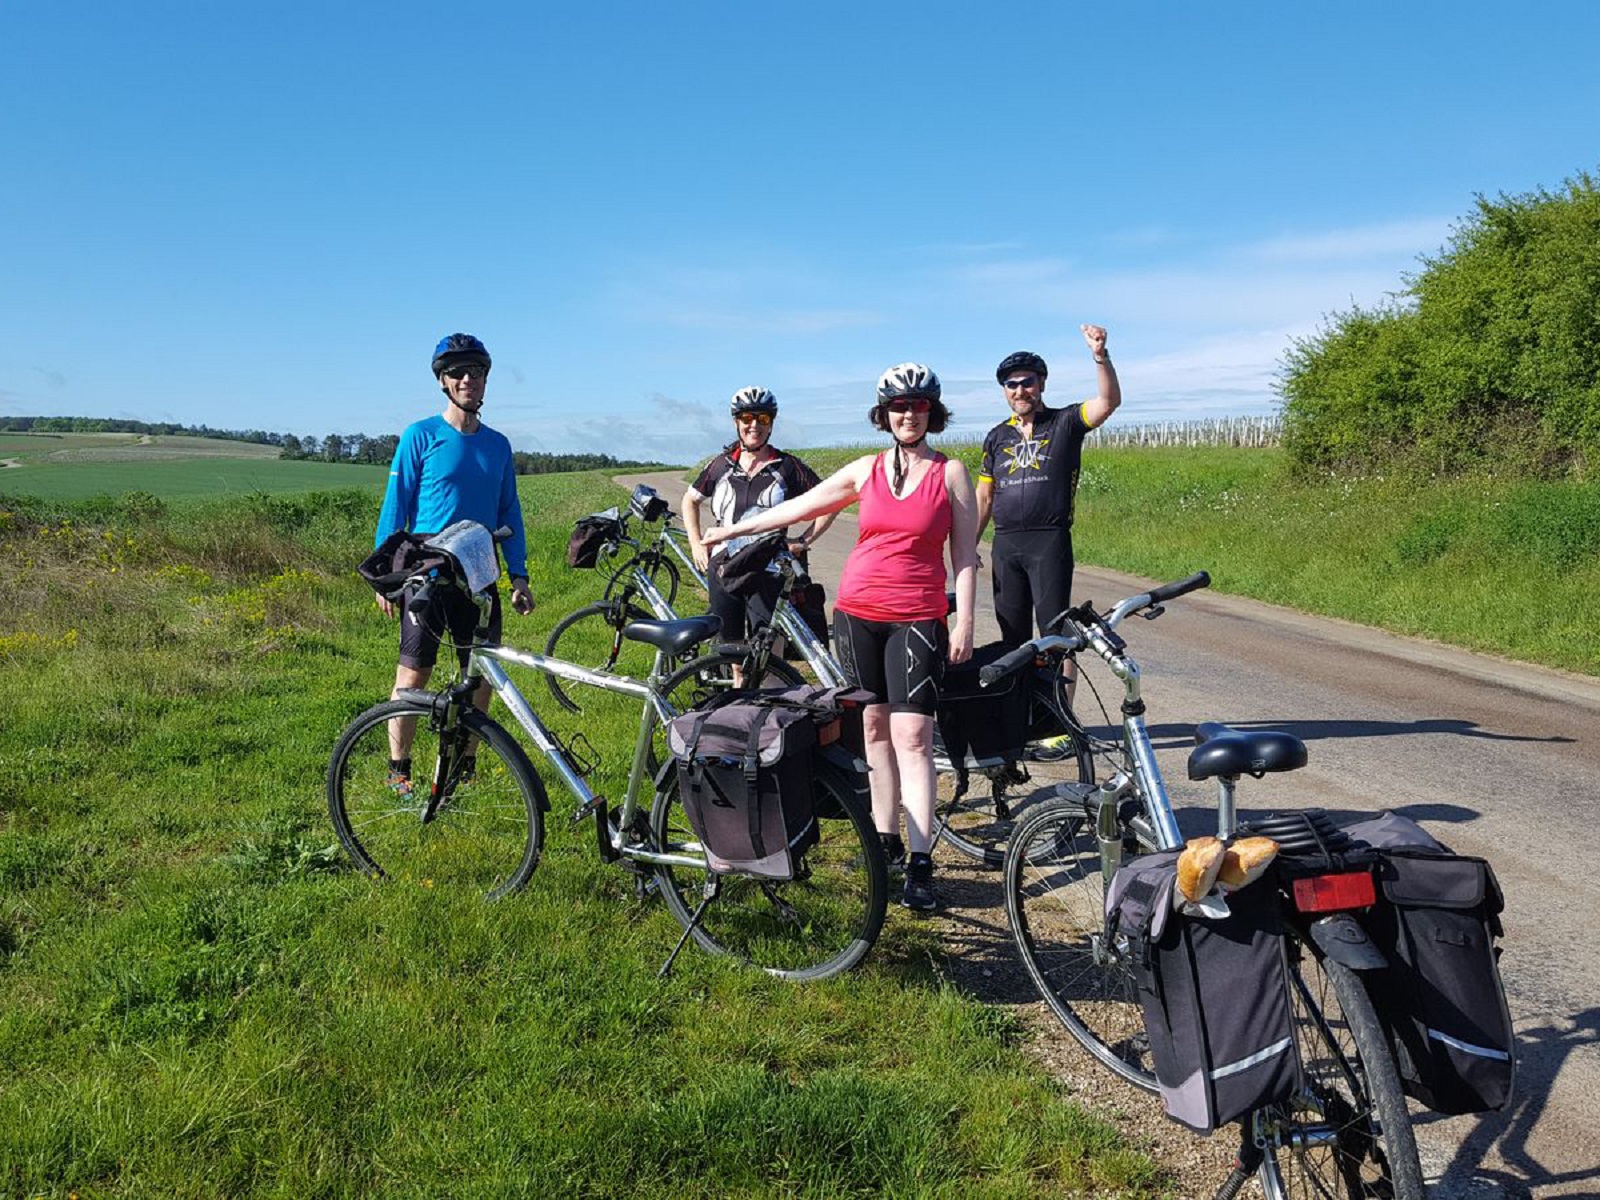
(963, 556)
(1097, 411)
(837, 491)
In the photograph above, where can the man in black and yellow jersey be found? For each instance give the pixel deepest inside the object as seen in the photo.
(1028, 481)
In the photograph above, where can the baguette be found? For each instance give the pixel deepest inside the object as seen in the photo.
(1198, 866)
(1245, 861)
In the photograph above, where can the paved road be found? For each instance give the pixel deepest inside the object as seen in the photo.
(1495, 758)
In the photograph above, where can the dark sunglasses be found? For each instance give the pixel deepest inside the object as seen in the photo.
(917, 404)
(1025, 381)
(466, 371)
(760, 418)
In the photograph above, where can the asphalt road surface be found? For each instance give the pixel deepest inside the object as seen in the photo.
(1494, 758)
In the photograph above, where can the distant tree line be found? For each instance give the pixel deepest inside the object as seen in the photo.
(1490, 357)
(336, 447)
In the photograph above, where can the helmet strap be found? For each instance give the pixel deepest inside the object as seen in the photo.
(899, 461)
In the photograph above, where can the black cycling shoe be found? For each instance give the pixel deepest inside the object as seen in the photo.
(918, 895)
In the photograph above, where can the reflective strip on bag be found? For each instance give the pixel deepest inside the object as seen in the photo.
(1253, 1060)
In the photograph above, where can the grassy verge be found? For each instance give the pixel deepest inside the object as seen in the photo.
(198, 999)
(1494, 564)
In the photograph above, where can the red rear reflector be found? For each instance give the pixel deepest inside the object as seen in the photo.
(1334, 893)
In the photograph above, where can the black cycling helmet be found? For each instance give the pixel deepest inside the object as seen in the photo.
(459, 348)
(753, 399)
(1022, 360)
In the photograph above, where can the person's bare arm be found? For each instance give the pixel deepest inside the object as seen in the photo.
(837, 491)
(963, 556)
(691, 529)
(1097, 411)
(985, 501)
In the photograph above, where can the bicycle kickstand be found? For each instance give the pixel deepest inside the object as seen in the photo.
(1245, 1163)
(694, 921)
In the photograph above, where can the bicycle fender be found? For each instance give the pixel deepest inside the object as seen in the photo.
(1342, 939)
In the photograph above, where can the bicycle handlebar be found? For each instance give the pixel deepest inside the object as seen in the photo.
(1171, 591)
(1021, 657)
(1085, 615)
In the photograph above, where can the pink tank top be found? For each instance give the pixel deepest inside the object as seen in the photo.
(896, 570)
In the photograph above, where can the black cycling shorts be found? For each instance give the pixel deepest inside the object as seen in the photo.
(899, 662)
(452, 609)
(1032, 573)
(741, 615)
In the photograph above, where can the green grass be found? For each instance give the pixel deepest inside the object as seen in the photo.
(1490, 563)
(78, 466)
(197, 998)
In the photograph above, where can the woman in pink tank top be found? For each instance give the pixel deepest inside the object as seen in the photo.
(890, 614)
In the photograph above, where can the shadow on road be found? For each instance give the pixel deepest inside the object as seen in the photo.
(1311, 731)
(1542, 1052)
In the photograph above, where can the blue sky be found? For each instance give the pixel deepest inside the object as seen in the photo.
(264, 216)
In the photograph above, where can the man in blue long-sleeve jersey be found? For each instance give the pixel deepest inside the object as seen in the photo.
(446, 469)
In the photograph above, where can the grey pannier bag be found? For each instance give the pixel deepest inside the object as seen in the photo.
(1214, 992)
(744, 778)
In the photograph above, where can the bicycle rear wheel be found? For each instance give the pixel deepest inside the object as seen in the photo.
(470, 815)
(592, 637)
(1055, 903)
(821, 923)
(1347, 1132)
(997, 799)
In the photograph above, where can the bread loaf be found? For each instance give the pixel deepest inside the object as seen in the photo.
(1198, 866)
(1245, 860)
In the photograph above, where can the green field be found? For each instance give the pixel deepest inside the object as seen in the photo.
(76, 466)
(199, 998)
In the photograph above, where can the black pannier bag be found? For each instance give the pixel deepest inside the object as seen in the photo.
(745, 764)
(1214, 993)
(589, 535)
(983, 726)
(1440, 998)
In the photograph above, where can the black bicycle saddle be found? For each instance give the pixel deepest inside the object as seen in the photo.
(674, 637)
(1223, 751)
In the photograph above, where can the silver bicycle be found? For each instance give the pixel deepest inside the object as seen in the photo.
(1347, 1132)
(469, 813)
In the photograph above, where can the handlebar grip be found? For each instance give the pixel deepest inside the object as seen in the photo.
(1008, 664)
(1182, 587)
(421, 600)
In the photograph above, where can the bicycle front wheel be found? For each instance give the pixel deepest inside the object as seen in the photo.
(1055, 903)
(470, 814)
(662, 572)
(816, 925)
(592, 637)
(1347, 1132)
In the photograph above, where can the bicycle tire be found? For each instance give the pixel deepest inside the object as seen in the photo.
(1347, 1132)
(981, 822)
(578, 638)
(661, 570)
(697, 680)
(1055, 905)
(486, 834)
(817, 925)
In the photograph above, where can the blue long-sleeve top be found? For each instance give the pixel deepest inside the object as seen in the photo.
(440, 476)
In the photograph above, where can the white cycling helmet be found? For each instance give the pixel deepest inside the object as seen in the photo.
(753, 399)
(908, 380)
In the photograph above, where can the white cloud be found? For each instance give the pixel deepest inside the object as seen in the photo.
(1386, 241)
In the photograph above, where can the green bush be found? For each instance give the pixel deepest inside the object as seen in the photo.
(1489, 359)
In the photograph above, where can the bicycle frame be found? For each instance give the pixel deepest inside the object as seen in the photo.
(485, 663)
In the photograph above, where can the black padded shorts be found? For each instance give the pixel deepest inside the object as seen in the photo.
(1032, 573)
(899, 662)
(452, 610)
